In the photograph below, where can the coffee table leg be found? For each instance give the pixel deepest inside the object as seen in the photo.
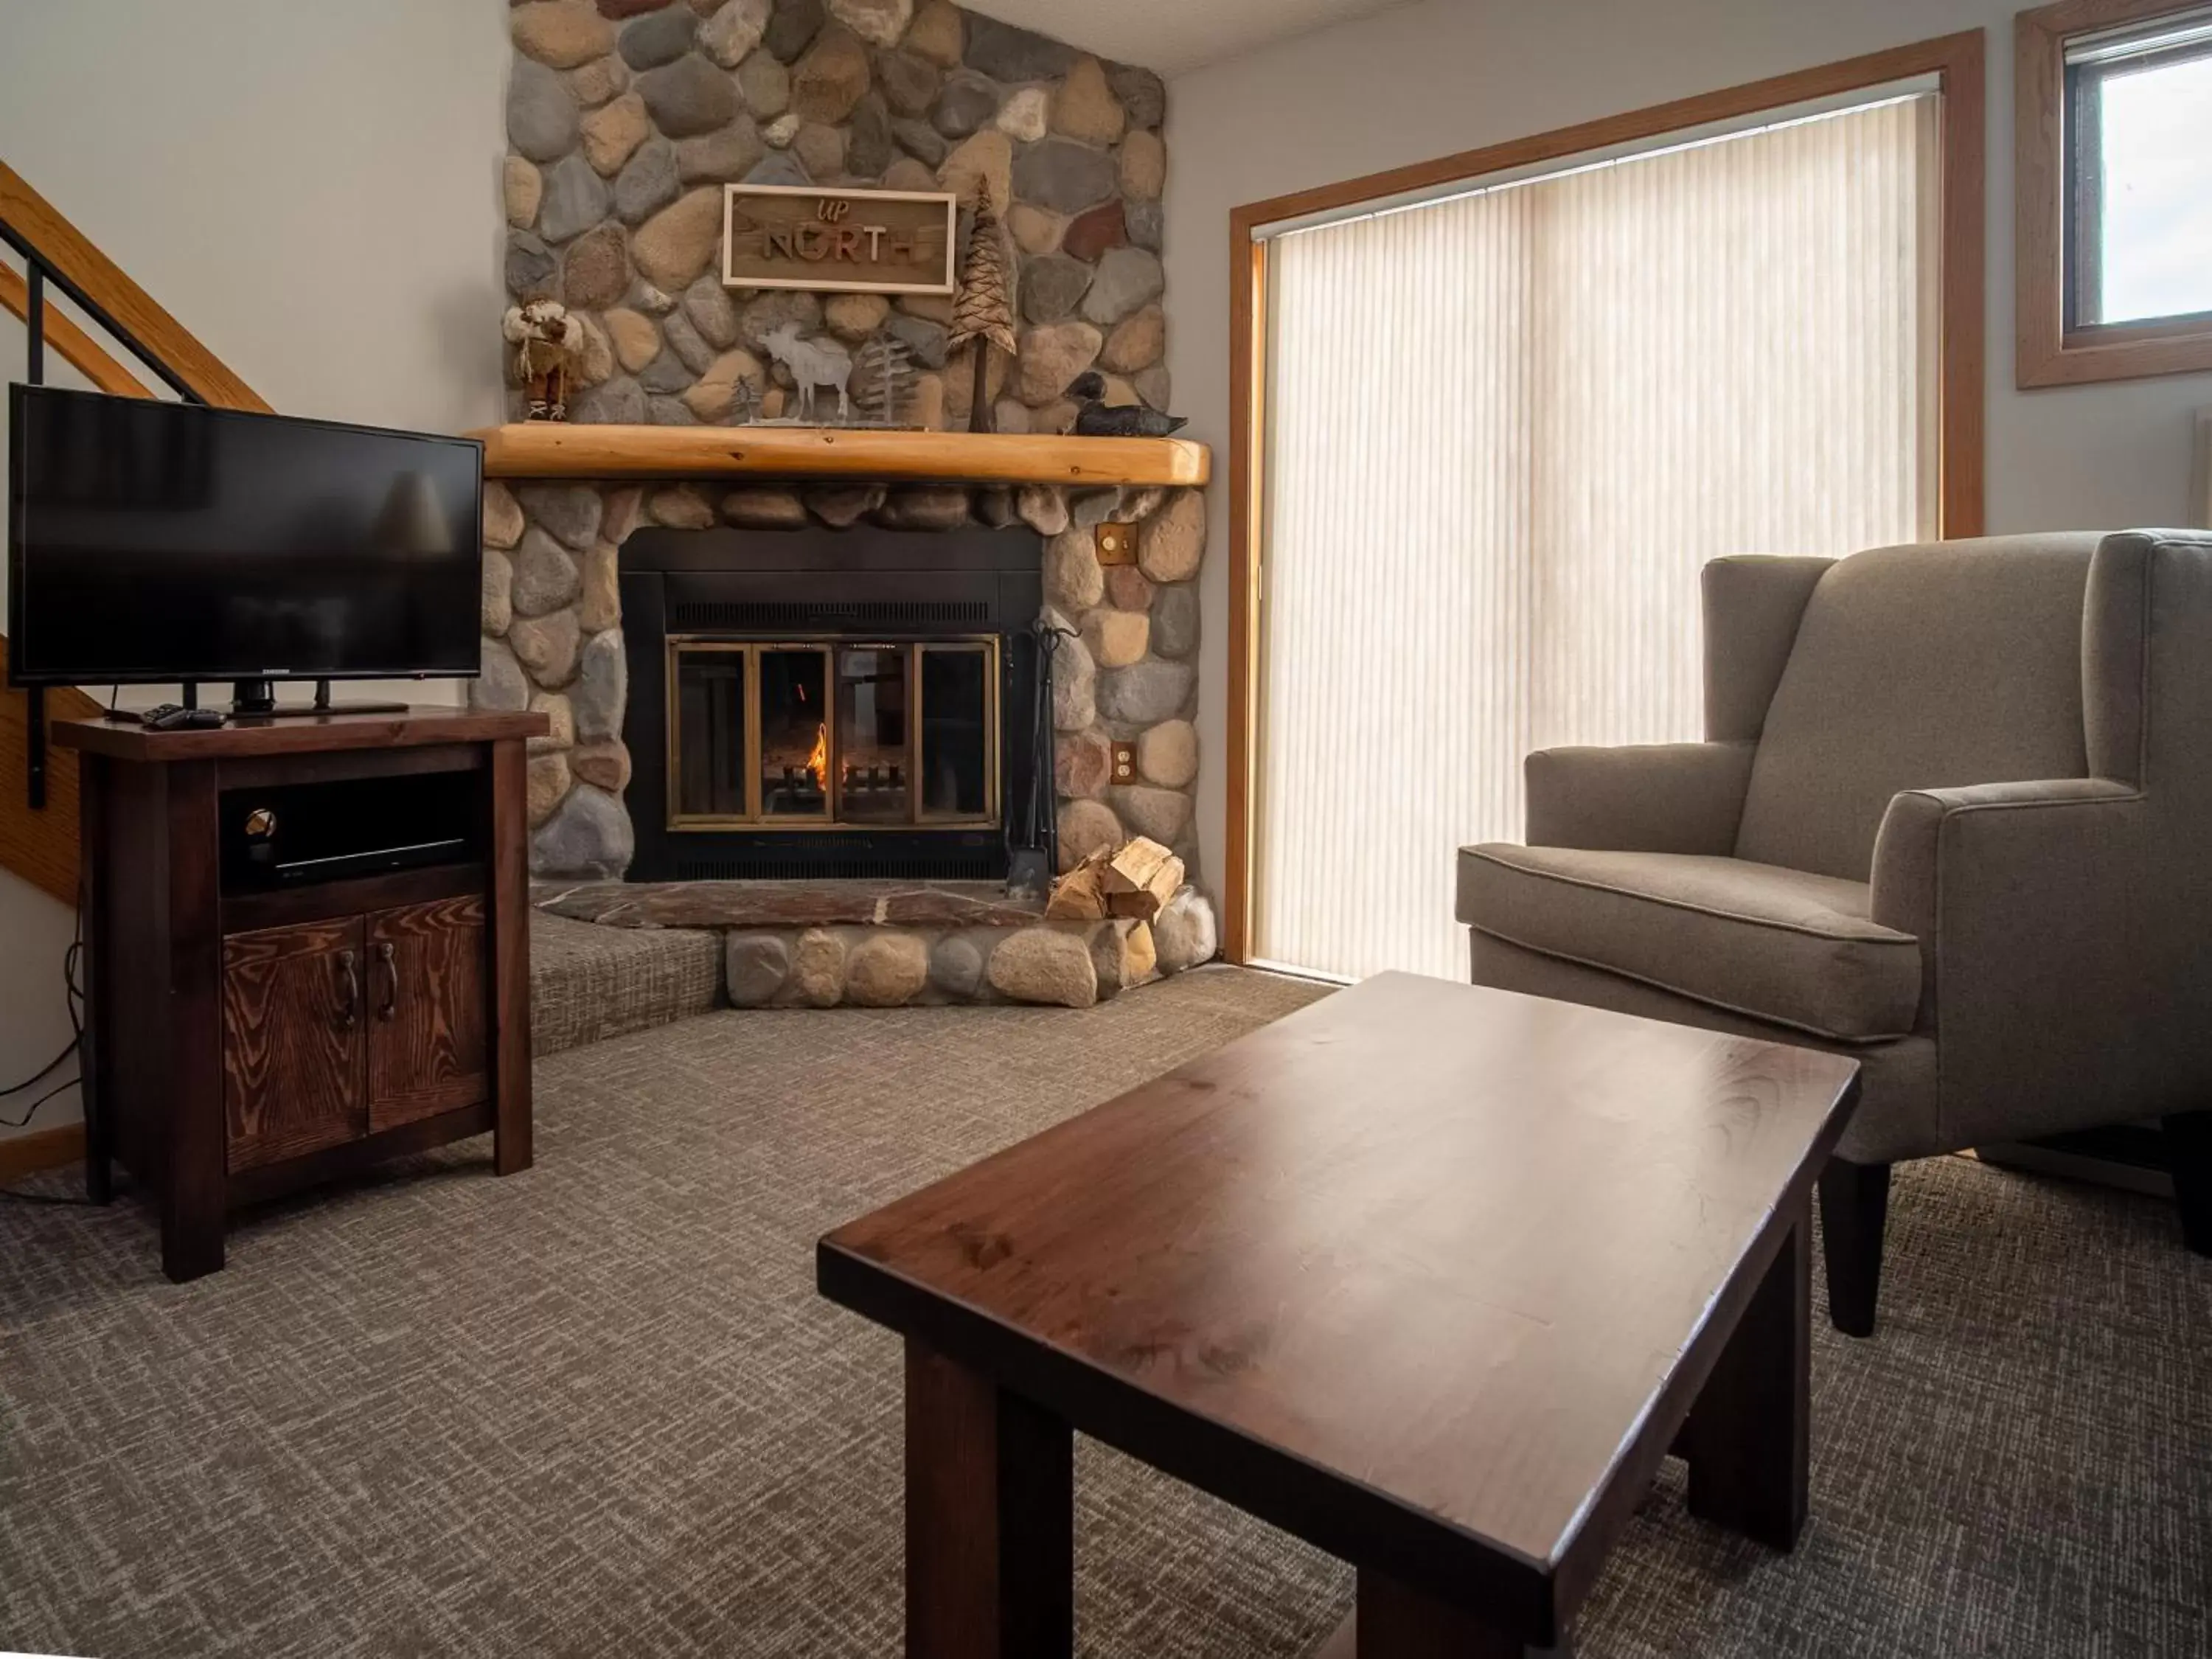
(990, 1519)
(1748, 1438)
(1393, 1622)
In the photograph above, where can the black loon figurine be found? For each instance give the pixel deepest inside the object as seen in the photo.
(1094, 419)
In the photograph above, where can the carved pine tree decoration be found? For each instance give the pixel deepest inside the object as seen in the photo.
(984, 312)
(883, 380)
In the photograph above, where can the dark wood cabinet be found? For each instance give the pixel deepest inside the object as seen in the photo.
(292, 1041)
(252, 1028)
(425, 1036)
(334, 1029)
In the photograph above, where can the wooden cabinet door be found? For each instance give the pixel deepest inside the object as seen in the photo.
(293, 1018)
(426, 1050)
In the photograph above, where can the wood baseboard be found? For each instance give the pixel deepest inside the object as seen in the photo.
(41, 1149)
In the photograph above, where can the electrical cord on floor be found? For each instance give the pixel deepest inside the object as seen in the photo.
(75, 996)
(48, 1198)
(73, 1001)
(60, 1199)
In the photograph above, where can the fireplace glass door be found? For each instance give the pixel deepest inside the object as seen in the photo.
(794, 733)
(875, 739)
(808, 734)
(710, 725)
(959, 733)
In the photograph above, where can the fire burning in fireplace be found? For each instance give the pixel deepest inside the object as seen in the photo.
(912, 736)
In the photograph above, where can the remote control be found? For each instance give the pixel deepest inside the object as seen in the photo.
(175, 717)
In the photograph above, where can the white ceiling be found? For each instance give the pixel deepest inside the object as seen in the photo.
(1173, 35)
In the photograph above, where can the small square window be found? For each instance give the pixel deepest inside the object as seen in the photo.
(2140, 173)
(2114, 177)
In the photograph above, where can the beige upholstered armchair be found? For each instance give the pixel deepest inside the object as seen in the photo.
(1953, 817)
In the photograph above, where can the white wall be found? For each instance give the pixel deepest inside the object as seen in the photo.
(1438, 76)
(311, 188)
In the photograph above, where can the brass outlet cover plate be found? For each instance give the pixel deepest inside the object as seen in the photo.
(1117, 543)
(1125, 763)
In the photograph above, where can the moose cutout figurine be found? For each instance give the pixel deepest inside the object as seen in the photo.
(813, 364)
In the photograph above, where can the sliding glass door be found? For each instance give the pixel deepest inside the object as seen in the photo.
(1505, 429)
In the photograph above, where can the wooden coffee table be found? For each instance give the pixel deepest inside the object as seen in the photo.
(1431, 1275)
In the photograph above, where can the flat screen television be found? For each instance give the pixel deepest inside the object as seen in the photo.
(157, 542)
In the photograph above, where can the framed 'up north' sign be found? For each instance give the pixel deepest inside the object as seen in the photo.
(847, 241)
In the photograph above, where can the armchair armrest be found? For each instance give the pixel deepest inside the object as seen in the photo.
(2035, 904)
(2053, 827)
(1645, 798)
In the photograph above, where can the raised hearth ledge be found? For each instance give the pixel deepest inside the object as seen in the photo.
(553, 449)
(787, 903)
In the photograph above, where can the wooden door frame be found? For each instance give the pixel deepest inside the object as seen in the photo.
(1959, 62)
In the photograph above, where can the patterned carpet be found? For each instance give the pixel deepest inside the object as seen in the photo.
(588, 983)
(598, 1409)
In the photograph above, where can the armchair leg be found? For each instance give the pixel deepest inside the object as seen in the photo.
(2189, 1160)
(1854, 1206)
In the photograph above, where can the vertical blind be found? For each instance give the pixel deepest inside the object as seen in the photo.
(1504, 432)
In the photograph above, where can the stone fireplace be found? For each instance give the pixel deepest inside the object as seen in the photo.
(725, 699)
(823, 703)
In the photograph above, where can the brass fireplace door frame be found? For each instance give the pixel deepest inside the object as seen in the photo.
(753, 818)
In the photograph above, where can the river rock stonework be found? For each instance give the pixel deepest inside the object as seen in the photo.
(625, 119)
(895, 944)
(1061, 964)
(552, 639)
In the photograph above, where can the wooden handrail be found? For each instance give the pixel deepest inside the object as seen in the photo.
(63, 247)
(77, 348)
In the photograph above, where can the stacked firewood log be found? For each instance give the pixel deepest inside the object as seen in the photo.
(1134, 882)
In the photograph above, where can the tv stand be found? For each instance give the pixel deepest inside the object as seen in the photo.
(248, 1033)
(256, 699)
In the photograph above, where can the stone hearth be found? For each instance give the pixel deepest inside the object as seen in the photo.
(886, 945)
(790, 904)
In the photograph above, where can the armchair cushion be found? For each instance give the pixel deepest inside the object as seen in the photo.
(1896, 1114)
(1775, 944)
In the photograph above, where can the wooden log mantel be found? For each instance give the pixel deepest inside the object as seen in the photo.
(549, 449)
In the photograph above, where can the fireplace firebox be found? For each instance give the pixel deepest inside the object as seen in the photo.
(819, 703)
(832, 734)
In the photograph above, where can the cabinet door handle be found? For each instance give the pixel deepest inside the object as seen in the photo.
(387, 955)
(349, 1010)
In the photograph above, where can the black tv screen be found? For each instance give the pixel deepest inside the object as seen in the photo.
(157, 542)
